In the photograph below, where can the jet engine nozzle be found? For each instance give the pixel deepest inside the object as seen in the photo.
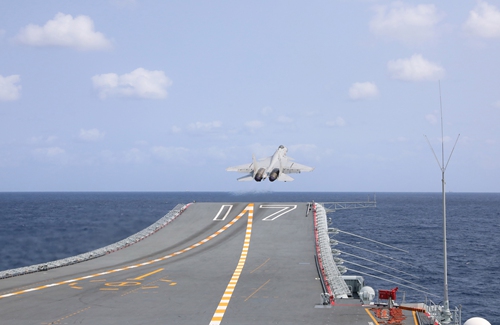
(274, 174)
(260, 174)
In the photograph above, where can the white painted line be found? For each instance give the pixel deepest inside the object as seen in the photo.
(51, 285)
(284, 209)
(222, 208)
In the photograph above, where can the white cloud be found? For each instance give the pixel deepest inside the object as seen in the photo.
(497, 104)
(206, 127)
(431, 118)
(406, 23)
(40, 139)
(65, 31)
(284, 119)
(254, 125)
(175, 129)
(141, 143)
(128, 156)
(483, 21)
(310, 113)
(170, 153)
(51, 155)
(51, 138)
(439, 140)
(50, 152)
(362, 90)
(8, 89)
(90, 135)
(338, 121)
(415, 68)
(267, 110)
(134, 156)
(140, 83)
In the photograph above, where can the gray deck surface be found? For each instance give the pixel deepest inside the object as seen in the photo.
(278, 284)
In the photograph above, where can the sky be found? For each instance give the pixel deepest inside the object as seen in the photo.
(138, 95)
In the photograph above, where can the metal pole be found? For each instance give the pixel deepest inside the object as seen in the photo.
(446, 317)
(445, 312)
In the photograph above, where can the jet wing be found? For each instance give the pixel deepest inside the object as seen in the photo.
(246, 168)
(292, 167)
(249, 168)
(284, 178)
(246, 178)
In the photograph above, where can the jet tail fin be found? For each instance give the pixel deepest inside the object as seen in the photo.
(255, 167)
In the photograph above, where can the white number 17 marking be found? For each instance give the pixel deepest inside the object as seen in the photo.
(283, 210)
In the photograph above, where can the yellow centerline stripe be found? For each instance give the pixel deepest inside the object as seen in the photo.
(371, 316)
(415, 317)
(224, 228)
(226, 297)
(148, 274)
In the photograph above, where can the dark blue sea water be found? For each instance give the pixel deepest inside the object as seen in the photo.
(40, 227)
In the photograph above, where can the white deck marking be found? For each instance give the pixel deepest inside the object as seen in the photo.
(285, 208)
(222, 208)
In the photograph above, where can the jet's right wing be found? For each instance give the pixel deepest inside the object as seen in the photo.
(293, 167)
(284, 178)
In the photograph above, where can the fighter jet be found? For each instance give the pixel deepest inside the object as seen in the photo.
(275, 167)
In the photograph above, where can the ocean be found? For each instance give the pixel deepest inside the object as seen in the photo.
(41, 227)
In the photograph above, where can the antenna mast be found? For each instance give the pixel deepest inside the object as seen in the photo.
(446, 314)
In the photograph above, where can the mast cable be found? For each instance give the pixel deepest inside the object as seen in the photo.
(381, 264)
(374, 241)
(373, 252)
(399, 284)
(384, 273)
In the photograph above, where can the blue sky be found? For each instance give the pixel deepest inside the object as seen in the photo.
(124, 95)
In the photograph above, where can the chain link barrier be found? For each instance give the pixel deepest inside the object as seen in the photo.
(333, 276)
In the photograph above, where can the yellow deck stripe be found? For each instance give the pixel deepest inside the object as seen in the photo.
(415, 317)
(148, 274)
(229, 224)
(226, 297)
(371, 316)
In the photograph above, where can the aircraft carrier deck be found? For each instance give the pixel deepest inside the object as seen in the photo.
(216, 263)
